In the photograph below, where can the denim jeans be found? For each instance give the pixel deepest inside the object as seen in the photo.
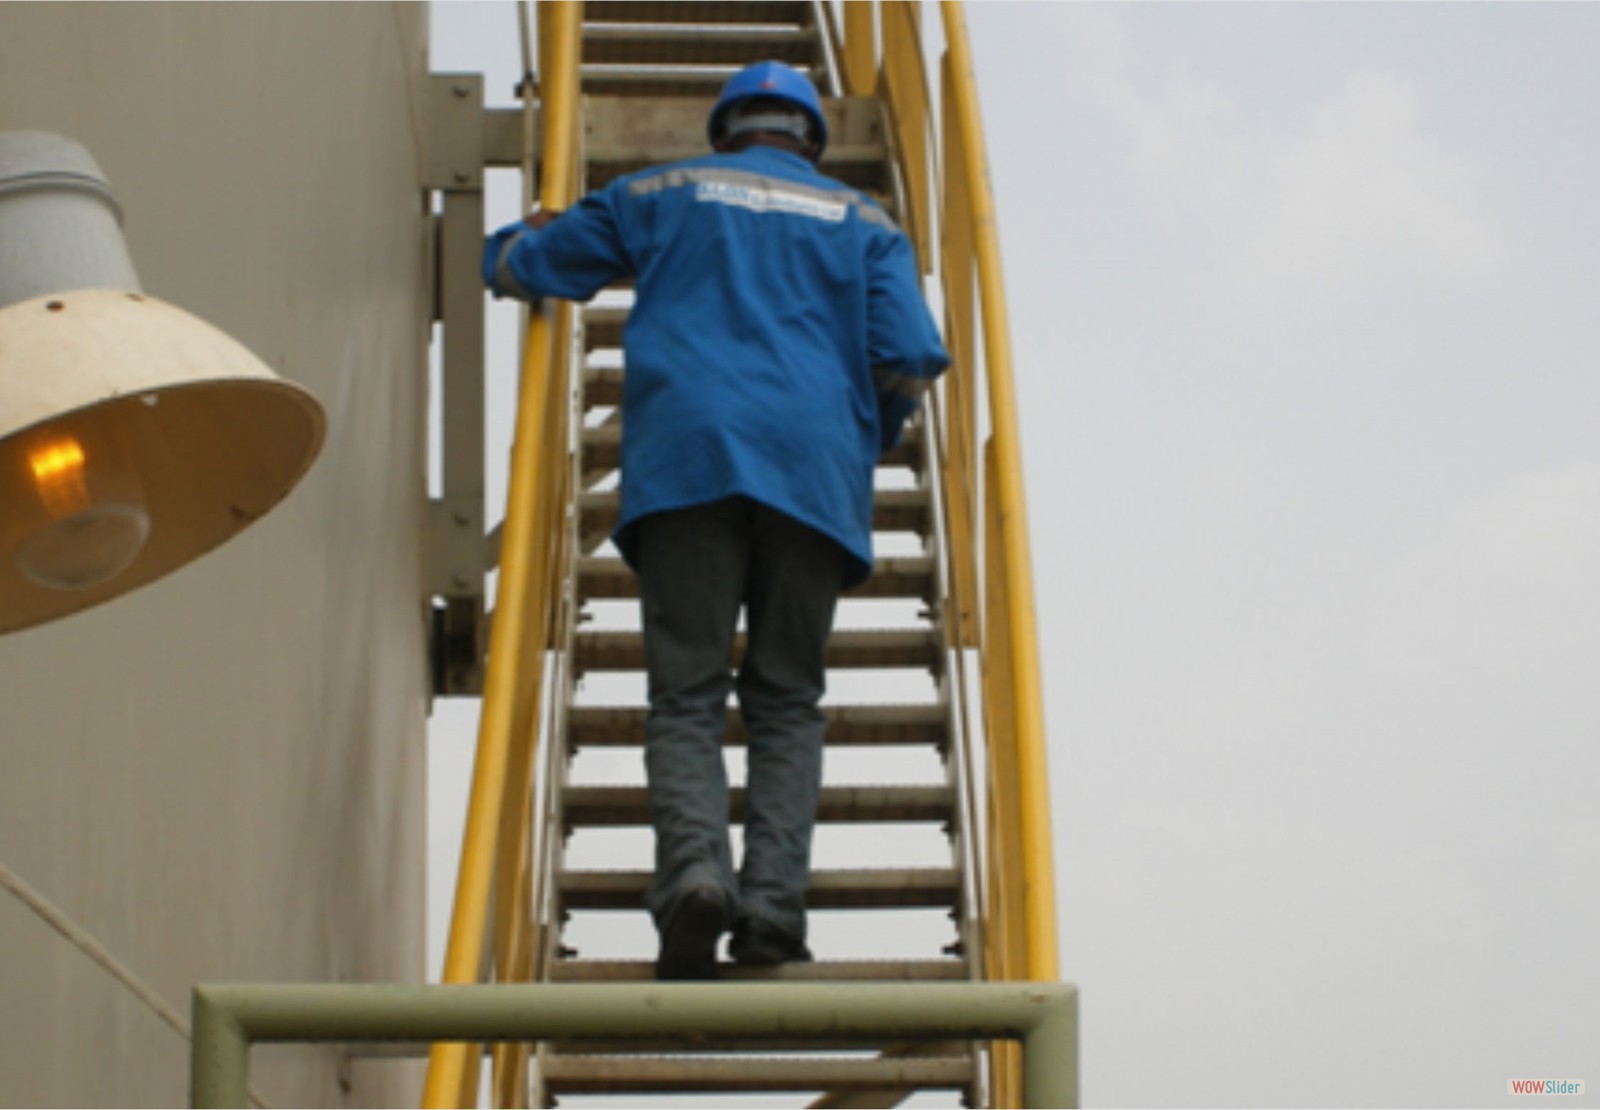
(698, 567)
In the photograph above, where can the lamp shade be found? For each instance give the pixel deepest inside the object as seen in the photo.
(134, 437)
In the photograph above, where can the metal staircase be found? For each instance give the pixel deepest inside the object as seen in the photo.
(652, 69)
(901, 892)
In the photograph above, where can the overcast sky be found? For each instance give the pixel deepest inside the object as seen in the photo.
(1302, 300)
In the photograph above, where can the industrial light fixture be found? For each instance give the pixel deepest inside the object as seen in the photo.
(134, 437)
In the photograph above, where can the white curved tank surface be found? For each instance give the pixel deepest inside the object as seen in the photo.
(219, 776)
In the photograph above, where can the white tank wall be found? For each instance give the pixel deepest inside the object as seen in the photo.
(221, 777)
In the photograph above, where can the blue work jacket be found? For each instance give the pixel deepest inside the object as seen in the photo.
(778, 340)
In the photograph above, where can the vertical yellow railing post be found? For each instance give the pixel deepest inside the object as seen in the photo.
(1026, 695)
(905, 88)
(1006, 933)
(860, 48)
(500, 780)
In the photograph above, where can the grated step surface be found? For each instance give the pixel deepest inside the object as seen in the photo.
(918, 887)
(675, 44)
(824, 971)
(620, 806)
(699, 12)
(563, 1073)
(623, 726)
(893, 510)
(847, 648)
(625, 134)
(904, 576)
(660, 81)
(602, 448)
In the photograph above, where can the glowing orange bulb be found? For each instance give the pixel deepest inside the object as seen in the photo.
(58, 476)
(94, 522)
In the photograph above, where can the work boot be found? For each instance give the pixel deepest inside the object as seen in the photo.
(690, 930)
(759, 943)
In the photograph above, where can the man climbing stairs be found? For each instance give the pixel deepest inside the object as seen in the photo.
(896, 892)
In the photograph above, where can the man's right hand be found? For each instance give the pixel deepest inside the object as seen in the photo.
(497, 273)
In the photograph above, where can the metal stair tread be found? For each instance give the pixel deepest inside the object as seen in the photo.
(624, 133)
(759, 1073)
(858, 165)
(602, 448)
(893, 510)
(667, 43)
(905, 576)
(653, 82)
(887, 971)
(704, 1047)
(623, 726)
(602, 325)
(699, 12)
(615, 806)
(877, 888)
(602, 385)
(623, 650)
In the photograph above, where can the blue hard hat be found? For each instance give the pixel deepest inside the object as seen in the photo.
(770, 80)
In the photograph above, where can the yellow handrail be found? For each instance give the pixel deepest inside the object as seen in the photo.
(508, 725)
(1022, 898)
(1026, 698)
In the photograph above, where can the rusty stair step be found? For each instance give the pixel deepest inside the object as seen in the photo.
(869, 888)
(622, 650)
(623, 726)
(614, 806)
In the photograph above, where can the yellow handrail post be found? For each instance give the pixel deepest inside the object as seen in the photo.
(1033, 802)
(1006, 934)
(860, 48)
(905, 88)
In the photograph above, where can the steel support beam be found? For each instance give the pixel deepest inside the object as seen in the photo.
(228, 1019)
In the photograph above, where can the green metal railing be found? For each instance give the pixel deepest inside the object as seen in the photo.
(229, 1019)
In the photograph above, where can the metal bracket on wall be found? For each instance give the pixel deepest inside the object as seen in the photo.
(463, 139)
(457, 566)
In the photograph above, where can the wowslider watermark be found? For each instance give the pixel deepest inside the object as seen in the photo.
(1544, 1086)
